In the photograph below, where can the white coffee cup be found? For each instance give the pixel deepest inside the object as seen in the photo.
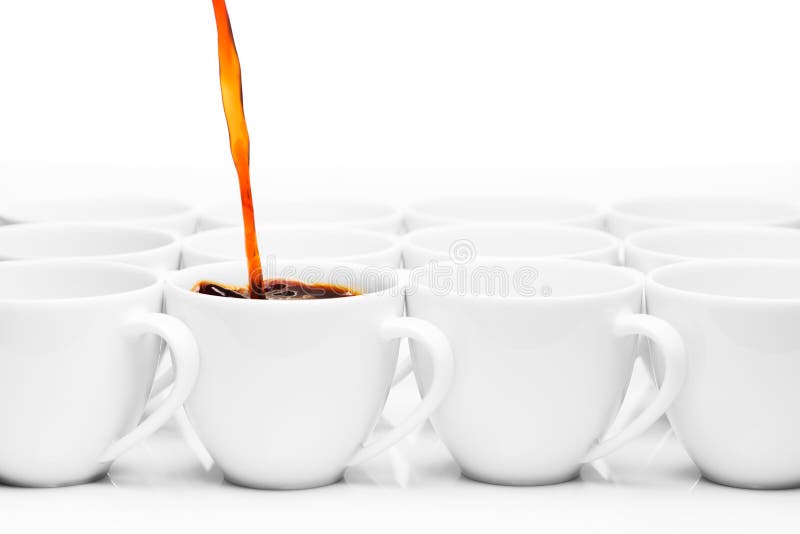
(347, 212)
(650, 249)
(289, 390)
(295, 243)
(631, 216)
(738, 415)
(77, 359)
(148, 247)
(520, 209)
(543, 354)
(161, 213)
(489, 242)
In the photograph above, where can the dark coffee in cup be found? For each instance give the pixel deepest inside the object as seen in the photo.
(277, 289)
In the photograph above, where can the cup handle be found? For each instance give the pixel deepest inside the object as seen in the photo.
(671, 344)
(441, 355)
(185, 361)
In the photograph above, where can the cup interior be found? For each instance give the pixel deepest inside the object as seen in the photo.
(719, 242)
(739, 279)
(711, 209)
(511, 240)
(306, 212)
(63, 240)
(90, 209)
(65, 279)
(363, 278)
(291, 242)
(547, 279)
(519, 209)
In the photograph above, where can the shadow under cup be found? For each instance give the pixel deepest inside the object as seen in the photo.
(290, 390)
(737, 415)
(543, 356)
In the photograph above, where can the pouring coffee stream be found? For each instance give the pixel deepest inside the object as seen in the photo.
(230, 83)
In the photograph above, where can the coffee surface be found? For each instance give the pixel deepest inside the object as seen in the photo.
(277, 289)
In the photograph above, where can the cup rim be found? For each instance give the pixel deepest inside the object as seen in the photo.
(635, 283)
(15, 212)
(172, 241)
(633, 241)
(156, 281)
(653, 284)
(416, 209)
(393, 244)
(171, 284)
(613, 246)
(618, 210)
(214, 212)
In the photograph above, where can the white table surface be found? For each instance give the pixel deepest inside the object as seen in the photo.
(167, 484)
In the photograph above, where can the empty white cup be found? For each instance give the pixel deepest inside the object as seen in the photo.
(543, 354)
(738, 415)
(487, 242)
(148, 247)
(295, 243)
(79, 344)
(520, 209)
(631, 216)
(374, 216)
(165, 214)
(650, 249)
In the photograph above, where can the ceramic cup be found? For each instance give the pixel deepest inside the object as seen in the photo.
(519, 209)
(148, 247)
(309, 244)
(164, 214)
(631, 216)
(737, 415)
(289, 391)
(543, 355)
(346, 212)
(77, 358)
(650, 249)
(489, 242)
(654, 248)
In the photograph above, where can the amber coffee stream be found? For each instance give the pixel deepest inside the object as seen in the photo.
(230, 83)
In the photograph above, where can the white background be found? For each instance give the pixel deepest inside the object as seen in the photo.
(397, 100)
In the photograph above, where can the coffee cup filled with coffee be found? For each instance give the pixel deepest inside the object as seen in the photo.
(292, 383)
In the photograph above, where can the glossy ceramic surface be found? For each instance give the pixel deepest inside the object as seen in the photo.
(738, 412)
(347, 212)
(520, 209)
(77, 358)
(539, 378)
(650, 249)
(631, 216)
(295, 243)
(500, 241)
(135, 245)
(289, 391)
(161, 213)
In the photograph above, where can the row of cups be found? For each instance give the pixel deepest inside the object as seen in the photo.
(620, 219)
(458, 243)
(520, 389)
